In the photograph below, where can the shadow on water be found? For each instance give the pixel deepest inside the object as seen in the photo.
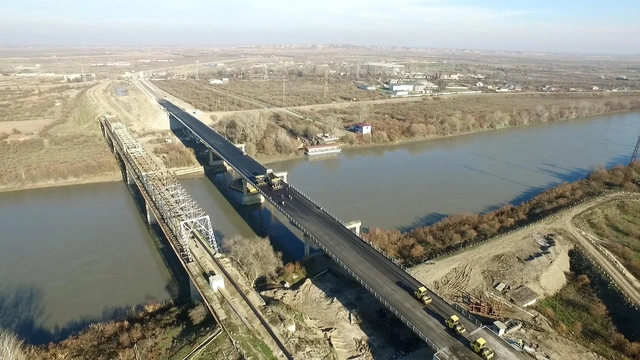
(260, 218)
(178, 288)
(562, 174)
(22, 311)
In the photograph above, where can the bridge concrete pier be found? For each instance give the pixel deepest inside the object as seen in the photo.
(250, 198)
(354, 226)
(128, 176)
(308, 246)
(215, 160)
(151, 218)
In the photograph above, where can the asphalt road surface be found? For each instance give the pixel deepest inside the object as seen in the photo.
(388, 280)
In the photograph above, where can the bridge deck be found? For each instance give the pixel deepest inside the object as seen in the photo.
(384, 277)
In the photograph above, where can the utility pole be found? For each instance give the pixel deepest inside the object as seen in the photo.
(358, 70)
(82, 72)
(266, 73)
(283, 91)
(326, 85)
(635, 152)
(197, 77)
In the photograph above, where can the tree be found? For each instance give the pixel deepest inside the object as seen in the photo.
(442, 86)
(363, 114)
(10, 346)
(332, 123)
(255, 256)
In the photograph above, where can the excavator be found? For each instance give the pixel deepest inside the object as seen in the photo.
(421, 294)
(480, 347)
(454, 324)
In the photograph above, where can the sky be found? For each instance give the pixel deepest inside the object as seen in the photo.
(567, 26)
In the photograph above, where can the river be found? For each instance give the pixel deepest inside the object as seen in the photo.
(71, 255)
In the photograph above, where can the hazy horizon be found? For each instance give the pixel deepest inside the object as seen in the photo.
(569, 26)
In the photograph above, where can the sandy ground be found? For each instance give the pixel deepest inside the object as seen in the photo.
(136, 109)
(25, 127)
(340, 320)
(515, 260)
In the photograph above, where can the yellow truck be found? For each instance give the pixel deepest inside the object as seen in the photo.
(421, 294)
(454, 324)
(274, 182)
(260, 180)
(480, 347)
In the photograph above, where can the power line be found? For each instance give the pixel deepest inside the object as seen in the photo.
(326, 85)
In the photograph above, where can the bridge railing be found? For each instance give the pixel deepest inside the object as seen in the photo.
(354, 275)
(328, 252)
(390, 258)
(466, 314)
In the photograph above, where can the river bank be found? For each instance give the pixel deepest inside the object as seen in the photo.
(111, 177)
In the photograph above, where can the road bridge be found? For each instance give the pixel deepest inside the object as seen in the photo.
(378, 273)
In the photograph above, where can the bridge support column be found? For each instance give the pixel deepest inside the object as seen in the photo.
(128, 176)
(151, 219)
(193, 292)
(215, 159)
(354, 226)
(308, 246)
(250, 198)
(282, 175)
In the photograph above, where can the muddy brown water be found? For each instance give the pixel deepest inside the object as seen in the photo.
(72, 255)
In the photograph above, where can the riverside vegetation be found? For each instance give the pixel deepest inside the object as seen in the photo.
(70, 147)
(417, 245)
(445, 116)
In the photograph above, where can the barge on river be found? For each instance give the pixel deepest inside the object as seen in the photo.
(322, 149)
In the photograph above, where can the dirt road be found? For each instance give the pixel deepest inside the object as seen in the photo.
(506, 259)
(566, 221)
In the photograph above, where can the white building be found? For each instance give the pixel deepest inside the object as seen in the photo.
(362, 128)
(219, 81)
(401, 87)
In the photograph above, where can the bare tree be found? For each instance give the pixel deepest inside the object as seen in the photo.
(363, 113)
(416, 130)
(543, 113)
(283, 142)
(332, 124)
(250, 127)
(10, 346)
(256, 256)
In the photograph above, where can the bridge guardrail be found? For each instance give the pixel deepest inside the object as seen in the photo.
(338, 261)
(364, 284)
(466, 314)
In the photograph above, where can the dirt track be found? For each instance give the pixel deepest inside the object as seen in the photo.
(620, 279)
(136, 109)
(476, 270)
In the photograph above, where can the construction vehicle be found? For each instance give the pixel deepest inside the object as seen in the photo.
(260, 180)
(421, 294)
(480, 347)
(274, 182)
(454, 324)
